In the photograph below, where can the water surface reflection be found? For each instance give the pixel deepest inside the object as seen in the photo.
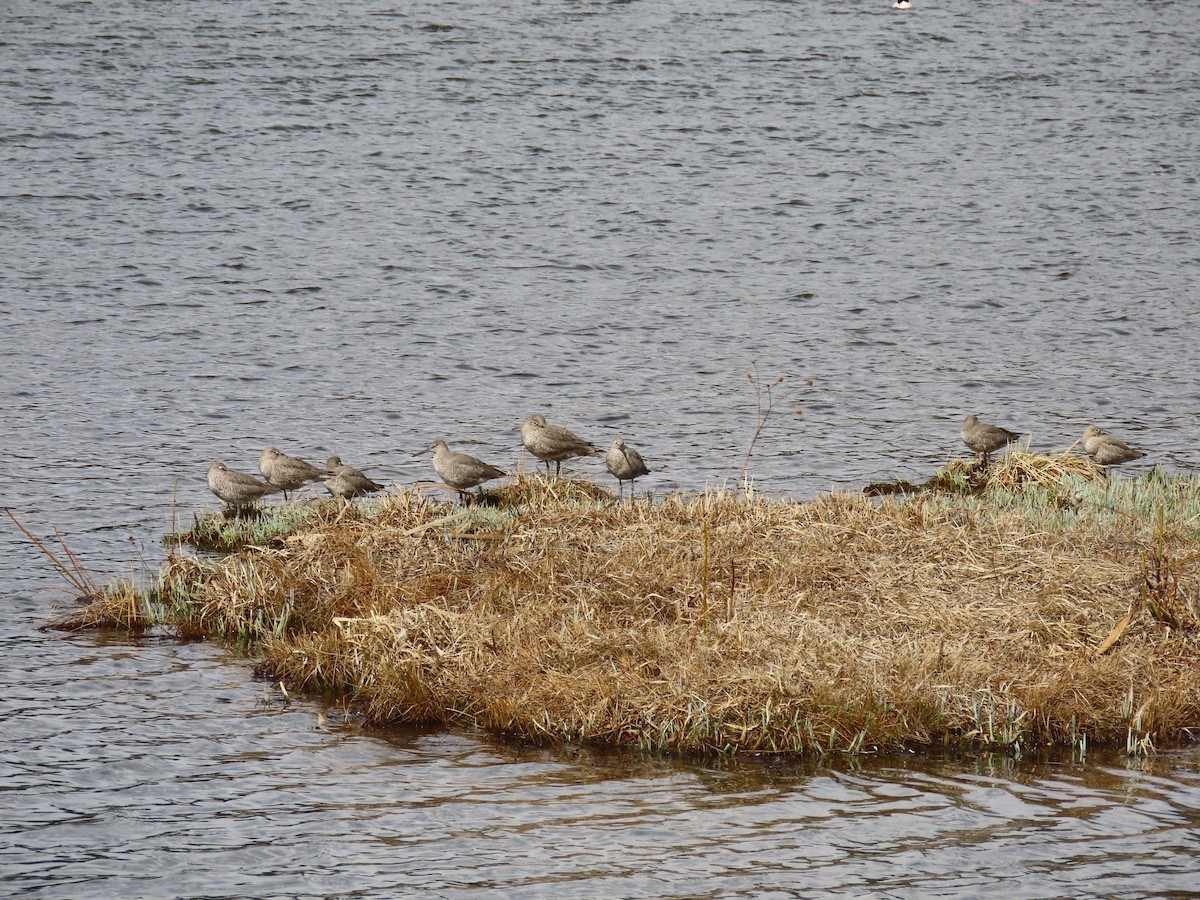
(162, 769)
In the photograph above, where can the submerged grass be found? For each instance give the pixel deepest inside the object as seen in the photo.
(1052, 607)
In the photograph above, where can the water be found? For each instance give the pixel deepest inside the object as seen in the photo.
(354, 227)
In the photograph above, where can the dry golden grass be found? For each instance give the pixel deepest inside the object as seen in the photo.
(1013, 470)
(726, 622)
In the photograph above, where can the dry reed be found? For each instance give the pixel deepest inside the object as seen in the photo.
(723, 622)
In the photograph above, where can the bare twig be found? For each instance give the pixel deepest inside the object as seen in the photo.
(764, 404)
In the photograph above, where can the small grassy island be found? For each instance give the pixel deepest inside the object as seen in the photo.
(1035, 604)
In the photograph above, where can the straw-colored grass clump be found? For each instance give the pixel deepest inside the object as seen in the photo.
(1022, 616)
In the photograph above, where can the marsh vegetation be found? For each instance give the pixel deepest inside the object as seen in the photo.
(1036, 604)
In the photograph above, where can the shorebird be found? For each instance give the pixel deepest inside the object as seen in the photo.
(461, 470)
(236, 489)
(553, 443)
(287, 472)
(624, 464)
(984, 439)
(1106, 450)
(347, 482)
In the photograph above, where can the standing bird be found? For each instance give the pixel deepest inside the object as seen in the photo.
(1106, 450)
(461, 470)
(287, 472)
(236, 490)
(984, 439)
(553, 443)
(347, 482)
(624, 464)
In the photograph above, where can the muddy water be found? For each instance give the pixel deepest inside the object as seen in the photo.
(354, 227)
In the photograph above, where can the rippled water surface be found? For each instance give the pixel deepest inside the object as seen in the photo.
(353, 227)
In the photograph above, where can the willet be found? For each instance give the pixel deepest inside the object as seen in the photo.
(461, 470)
(625, 464)
(985, 439)
(347, 482)
(236, 489)
(553, 443)
(287, 472)
(1106, 450)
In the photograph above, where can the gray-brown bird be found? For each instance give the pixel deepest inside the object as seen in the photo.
(461, 470)
(287, 472)
(1106, 450)
(346, 482)
(237, 490)
(624, 464)
(553, 443)
(985, 439)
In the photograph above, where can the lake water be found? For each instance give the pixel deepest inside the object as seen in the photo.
(354, 227)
